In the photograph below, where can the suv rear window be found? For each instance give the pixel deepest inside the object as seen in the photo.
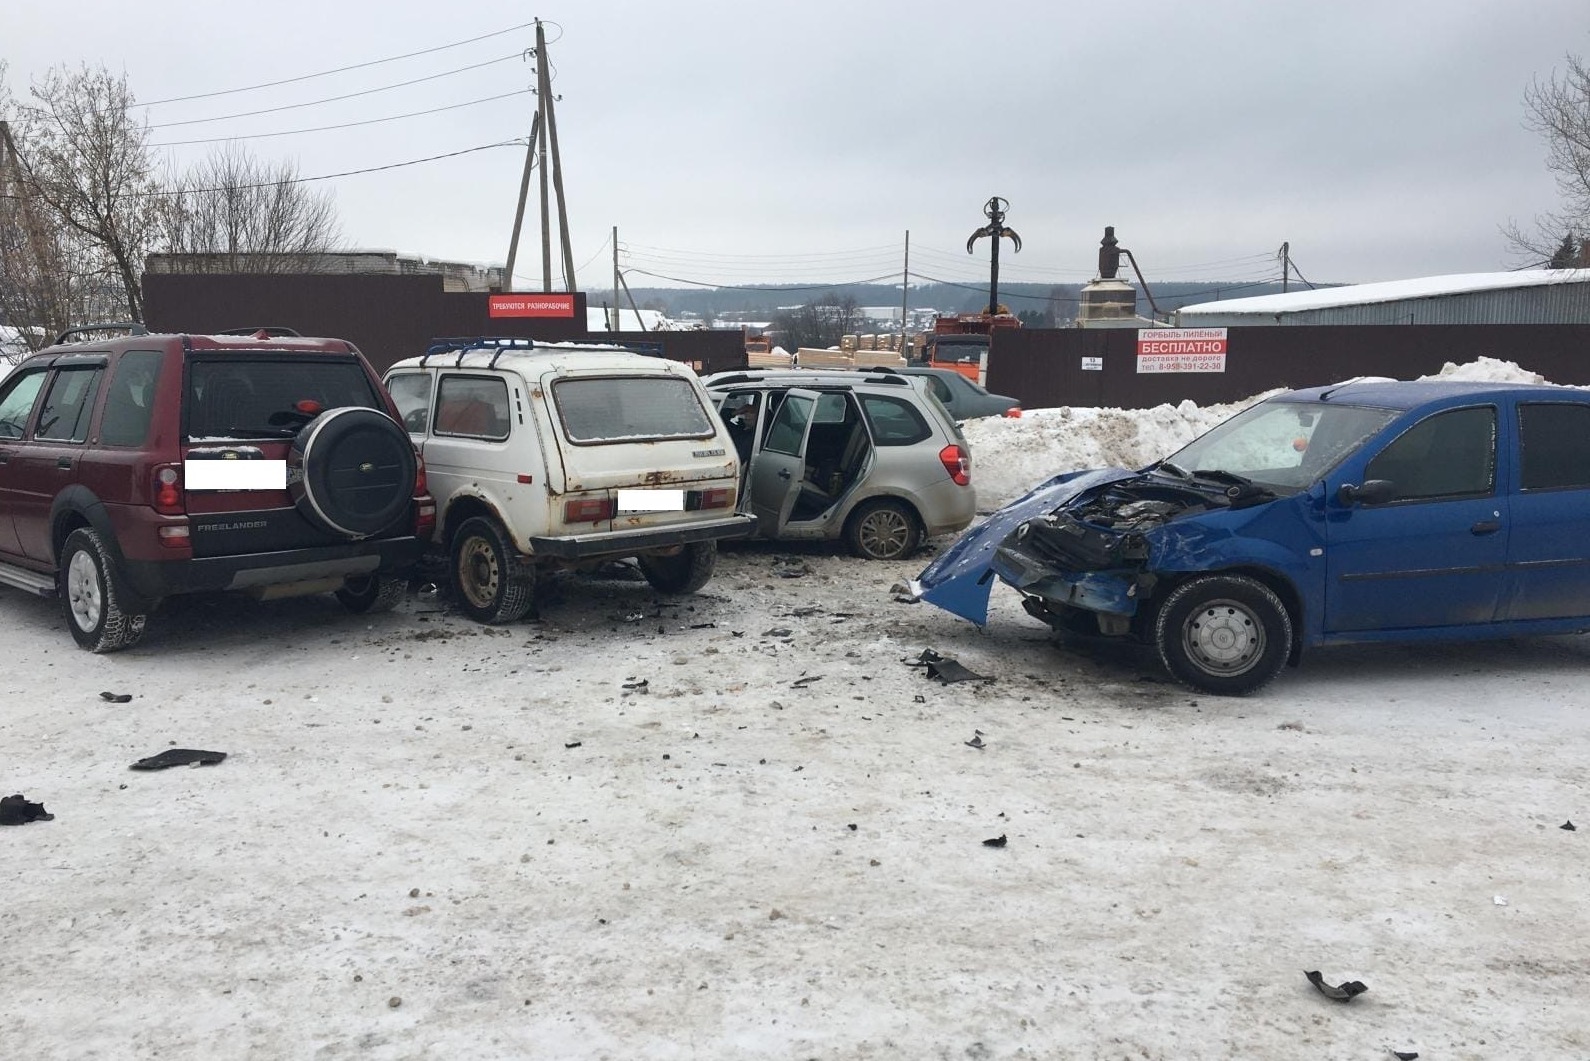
(603, 409)
(241, 398)
(131, 400)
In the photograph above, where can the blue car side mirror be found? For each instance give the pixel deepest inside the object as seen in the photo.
(1373, 492)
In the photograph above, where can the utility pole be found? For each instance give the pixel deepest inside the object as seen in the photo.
(543, 92)
(1286, 265)
(905, 292)
(524, 193)
(543, 136)
(616, 311)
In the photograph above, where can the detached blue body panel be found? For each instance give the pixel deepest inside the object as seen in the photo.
(961, 578)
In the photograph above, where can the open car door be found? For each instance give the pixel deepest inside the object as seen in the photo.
(777, 469)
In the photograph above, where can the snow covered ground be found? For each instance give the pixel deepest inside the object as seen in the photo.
(432, 839)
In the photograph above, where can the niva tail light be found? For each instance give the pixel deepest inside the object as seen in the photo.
(589, 510)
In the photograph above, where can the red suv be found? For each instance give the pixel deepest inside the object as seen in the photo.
(143, 466)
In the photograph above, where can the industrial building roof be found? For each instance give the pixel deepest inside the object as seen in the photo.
(1389, 291)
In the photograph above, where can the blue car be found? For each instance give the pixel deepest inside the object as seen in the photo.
(1371, 510)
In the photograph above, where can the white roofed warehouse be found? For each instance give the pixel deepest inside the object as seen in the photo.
(1534, 296)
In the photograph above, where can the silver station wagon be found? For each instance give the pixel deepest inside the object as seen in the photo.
(870, 458)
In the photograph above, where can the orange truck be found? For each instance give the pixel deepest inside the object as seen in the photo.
(960, 341)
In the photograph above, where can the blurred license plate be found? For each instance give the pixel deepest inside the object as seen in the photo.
(234, 474)
(651, 500)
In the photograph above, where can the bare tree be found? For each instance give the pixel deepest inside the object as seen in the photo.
(819, 324)
(87, 159)
(40, 265)
(1559, 110)
(233, 213)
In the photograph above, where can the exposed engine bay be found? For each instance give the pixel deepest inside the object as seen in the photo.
(1108, 530)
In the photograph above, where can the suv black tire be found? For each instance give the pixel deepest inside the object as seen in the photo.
(1223, 634)
(372, 594)
(883, 530)
(93, 595)
(357, 470)
(684, 572)
(491, 582)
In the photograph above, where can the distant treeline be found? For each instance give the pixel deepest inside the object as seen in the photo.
(1057, 302)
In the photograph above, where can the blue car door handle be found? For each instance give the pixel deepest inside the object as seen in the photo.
(1486, 526)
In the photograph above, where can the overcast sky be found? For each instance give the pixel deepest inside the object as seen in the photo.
(768, 141)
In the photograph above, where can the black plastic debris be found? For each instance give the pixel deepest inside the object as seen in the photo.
(944, 669)
(178, 757)
(1568, 825)
(16, 810)
(1344, 992)
(637, 686)
(998, 841)
(801, 683)
(1405, 1055)
(576, 744)
(976, 741)
(116, 698)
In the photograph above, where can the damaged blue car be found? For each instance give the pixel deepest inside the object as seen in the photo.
(1371, 510)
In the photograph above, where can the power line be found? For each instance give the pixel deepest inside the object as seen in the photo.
(333, 176)
(666, 251)
(340, 69)
(336, 99)
(345, 125)
(764, 287)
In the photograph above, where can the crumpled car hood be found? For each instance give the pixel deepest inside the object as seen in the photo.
(961, 578)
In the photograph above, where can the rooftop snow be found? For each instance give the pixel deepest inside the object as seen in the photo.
(1391, 291)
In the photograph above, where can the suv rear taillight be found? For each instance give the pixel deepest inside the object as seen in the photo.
(425, 511)
(717, 497)
(957, 462)
(589, 510)
(166, 492)
(1014, 412)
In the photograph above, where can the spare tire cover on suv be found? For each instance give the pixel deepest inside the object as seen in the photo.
(351, 471)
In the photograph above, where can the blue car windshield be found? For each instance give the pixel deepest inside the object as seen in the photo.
(1282, 445)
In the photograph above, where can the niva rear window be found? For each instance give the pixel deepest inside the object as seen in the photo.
(270, 398)
(608, 409)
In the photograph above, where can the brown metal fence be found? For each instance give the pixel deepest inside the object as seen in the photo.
(393, 317)
(1043, 367)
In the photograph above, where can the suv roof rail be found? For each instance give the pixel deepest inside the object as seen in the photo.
(130, 327)
(868, 375)
(265, 332)
(462, 346)
(504, 343)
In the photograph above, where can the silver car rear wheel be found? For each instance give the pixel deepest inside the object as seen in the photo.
(883, 530)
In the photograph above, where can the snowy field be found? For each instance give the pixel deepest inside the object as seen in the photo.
(741, 825)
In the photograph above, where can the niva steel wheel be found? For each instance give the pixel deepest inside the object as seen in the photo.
(491, 583)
